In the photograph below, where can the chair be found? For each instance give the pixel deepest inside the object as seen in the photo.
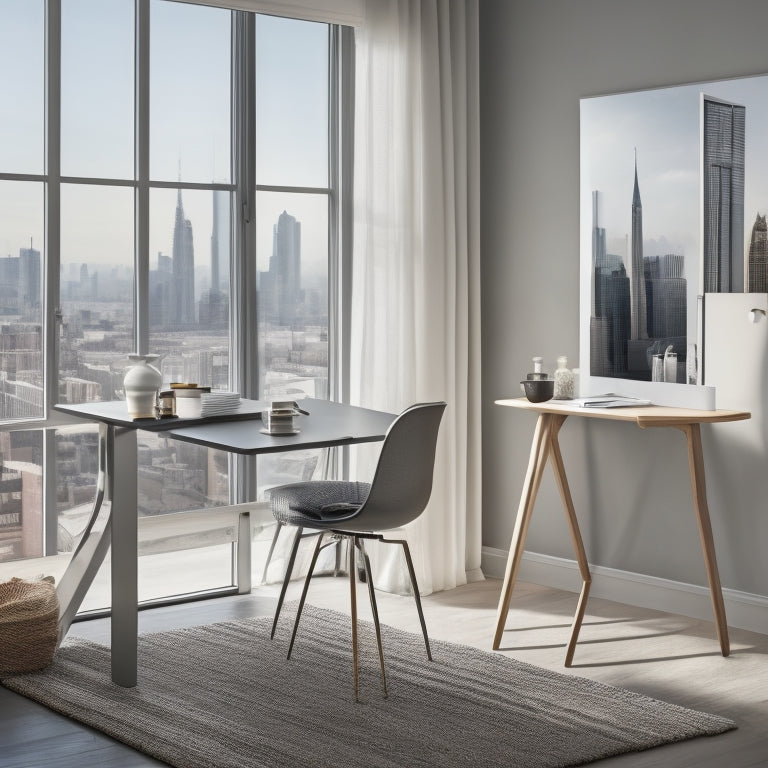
(356, 512)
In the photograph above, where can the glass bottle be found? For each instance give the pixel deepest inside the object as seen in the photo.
(563, 380)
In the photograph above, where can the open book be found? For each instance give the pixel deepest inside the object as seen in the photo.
(609, 400)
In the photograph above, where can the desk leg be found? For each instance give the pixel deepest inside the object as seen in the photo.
(536, 463)
(698, 484)
(121, 489)
(578, 545)
(90, 552)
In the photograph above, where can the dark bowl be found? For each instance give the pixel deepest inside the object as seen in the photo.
(539, 391)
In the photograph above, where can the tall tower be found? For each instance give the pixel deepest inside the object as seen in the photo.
(723, 190)
(220, 240)
(30, 286)
(598, 254)
(758, 257)
(639, 323)
(285, 268)
(183, 287)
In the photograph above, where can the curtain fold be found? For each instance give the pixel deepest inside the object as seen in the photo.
(416, 260)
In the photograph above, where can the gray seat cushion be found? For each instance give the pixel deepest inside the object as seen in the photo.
(317, 501)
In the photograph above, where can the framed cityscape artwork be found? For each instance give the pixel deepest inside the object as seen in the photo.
(674, 196)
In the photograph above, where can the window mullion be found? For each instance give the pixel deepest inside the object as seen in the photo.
(50, 272)
(141, 155)
(243, 313)
(52, 313)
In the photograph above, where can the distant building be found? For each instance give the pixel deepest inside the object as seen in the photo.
(723, 187)
(280, 287)
(214, 303)
(758, 257)
(160, 300)
(666, 290)
(610, 321)
(183, 286)
(30, 287)
(637, 272)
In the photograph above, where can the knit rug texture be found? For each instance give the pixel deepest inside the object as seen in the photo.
(224, 695)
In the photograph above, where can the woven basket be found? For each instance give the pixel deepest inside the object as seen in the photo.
(29, 625)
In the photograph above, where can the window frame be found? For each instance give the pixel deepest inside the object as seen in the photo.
(244, 373)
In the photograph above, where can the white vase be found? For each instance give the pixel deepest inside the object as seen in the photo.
(141, 384)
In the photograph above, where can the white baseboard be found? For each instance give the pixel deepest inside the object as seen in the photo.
(744, 610)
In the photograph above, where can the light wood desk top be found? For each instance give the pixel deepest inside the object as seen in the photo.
(643, 416)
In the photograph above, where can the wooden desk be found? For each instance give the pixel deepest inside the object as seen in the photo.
(546, 446)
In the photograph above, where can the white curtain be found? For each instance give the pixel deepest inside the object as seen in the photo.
(416, 261)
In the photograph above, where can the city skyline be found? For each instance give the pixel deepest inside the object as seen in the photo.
(637, 315)
(702, 163)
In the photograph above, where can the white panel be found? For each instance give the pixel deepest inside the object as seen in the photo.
(735, 349)
(348, 12)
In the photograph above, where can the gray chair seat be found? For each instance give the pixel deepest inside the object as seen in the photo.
(318, 501)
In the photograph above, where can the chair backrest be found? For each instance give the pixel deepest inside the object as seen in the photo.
(402, 483)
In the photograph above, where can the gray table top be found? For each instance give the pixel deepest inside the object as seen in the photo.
(115, 412)
(328, 424)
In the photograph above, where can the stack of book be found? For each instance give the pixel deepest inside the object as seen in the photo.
(218, 403)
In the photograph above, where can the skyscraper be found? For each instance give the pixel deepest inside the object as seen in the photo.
(214, 303)
(598, 249)
(280, 287)
(758, 257)
(637, 274)
(666, 289)
(220, 241)
(609, 322)
(183, 287)
(29, 278)
(723, 186)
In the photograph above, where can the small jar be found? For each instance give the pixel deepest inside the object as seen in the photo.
(166, 405)
(563, 380)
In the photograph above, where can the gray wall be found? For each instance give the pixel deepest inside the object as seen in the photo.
(630, 486)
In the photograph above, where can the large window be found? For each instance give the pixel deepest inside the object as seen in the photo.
(149, 201)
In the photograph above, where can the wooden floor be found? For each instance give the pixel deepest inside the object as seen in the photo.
(663, 655)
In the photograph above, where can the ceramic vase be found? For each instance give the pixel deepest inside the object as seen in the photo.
(141, 384)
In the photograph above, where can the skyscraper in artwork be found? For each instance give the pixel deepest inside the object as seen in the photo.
(723, 193)
(183, 258)
(638, 317)
(758, 257)
(609, 321)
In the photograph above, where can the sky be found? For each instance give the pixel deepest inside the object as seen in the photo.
(189, 124)
(663, 127)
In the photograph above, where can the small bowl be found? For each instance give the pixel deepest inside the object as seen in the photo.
(538, 390)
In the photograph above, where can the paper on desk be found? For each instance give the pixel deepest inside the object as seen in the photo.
(609, 400)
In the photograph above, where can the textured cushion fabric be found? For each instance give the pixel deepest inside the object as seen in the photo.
(317, 501)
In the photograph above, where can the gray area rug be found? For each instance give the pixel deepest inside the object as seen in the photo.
(224, 695)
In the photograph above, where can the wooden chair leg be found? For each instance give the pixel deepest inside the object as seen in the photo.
(375, 612)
